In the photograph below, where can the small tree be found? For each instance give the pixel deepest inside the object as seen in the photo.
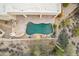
(63, 38)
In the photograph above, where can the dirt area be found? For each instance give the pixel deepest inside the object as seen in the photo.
(6, 27)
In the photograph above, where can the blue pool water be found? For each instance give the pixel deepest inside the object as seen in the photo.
(39, 28)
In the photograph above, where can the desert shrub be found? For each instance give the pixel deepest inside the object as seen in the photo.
(70, 50)
(63, 38)
(76, 31)
(65, 5)
(40, 49)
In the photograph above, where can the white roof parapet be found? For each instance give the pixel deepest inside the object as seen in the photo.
(33, 8)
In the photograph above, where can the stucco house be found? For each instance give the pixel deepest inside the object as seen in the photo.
(28, 20)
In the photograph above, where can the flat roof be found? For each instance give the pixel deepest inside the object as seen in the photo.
(31, 8)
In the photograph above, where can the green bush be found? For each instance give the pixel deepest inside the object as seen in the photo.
(63, 39)
(65, 4)
(54, 26)
(76, 31)
(65, 23)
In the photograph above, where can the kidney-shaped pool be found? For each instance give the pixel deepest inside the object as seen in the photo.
(41, 28)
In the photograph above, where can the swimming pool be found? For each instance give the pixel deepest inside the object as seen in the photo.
(39, 28)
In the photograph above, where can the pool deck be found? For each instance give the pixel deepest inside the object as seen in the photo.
(21, 22)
